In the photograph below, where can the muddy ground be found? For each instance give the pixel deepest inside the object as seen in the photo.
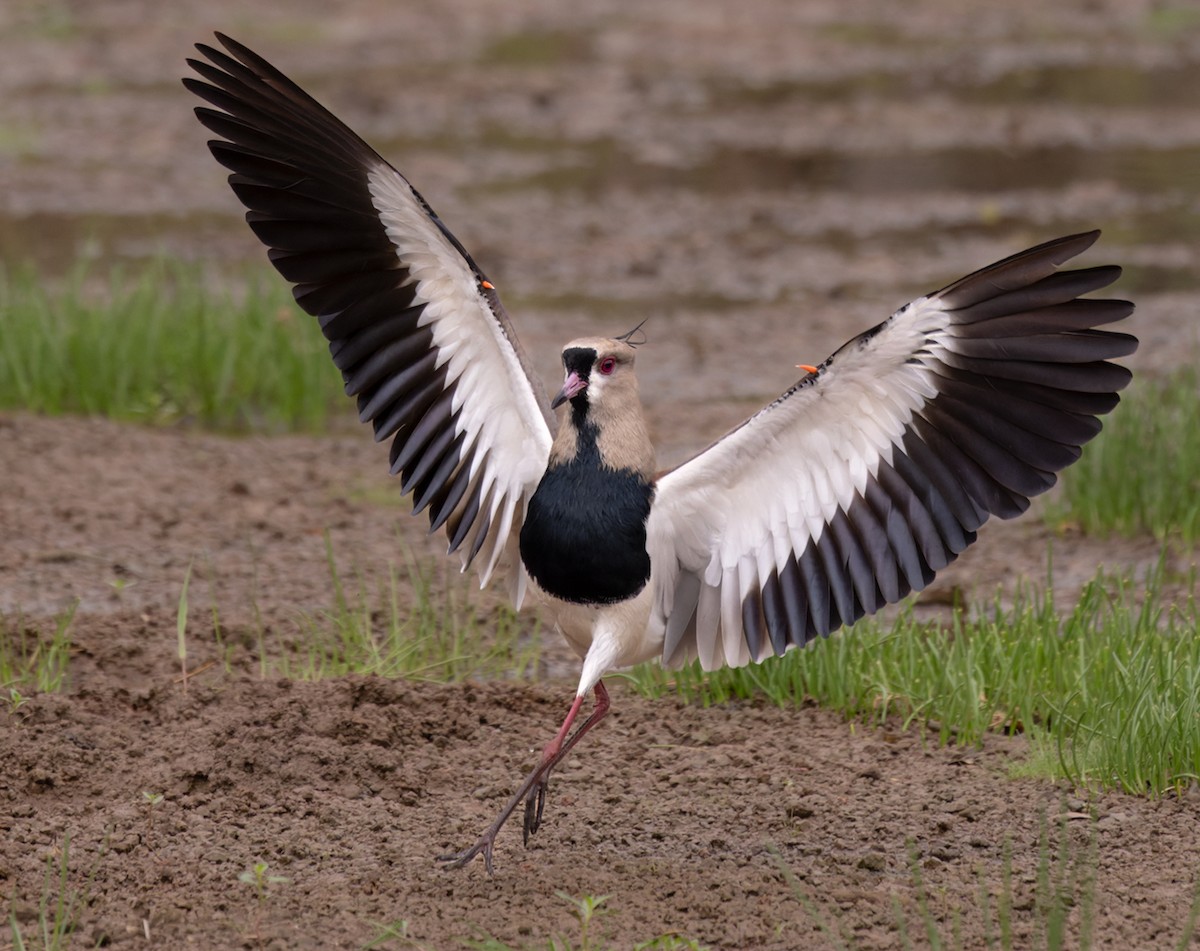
(762, 179)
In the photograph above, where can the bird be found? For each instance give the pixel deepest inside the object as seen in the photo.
(850, 490)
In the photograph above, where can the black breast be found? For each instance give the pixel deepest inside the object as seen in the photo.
(584, 537)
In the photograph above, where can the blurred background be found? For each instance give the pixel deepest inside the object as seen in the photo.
(761, 178)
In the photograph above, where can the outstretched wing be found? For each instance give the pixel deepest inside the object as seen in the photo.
(417, 330)
(866, 477)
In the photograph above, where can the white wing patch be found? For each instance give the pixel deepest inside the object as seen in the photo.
(736, 512)
(506, 432)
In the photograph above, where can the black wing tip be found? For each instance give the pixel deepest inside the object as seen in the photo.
(210, 65)
(238, 53)
(1067, 247)
(210, 53)
(1019, 270)
(1082, 240)
(1058, 250)
(232, 46)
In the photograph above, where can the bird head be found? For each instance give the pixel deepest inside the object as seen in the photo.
(599, 370)
(606, 410)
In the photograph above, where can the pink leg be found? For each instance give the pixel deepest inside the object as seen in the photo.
(537, 797)
(534, 786)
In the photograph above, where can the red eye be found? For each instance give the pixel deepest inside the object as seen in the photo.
(607, 365)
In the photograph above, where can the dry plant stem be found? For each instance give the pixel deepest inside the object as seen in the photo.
(191, 674)
(181, 629)
(535, 784)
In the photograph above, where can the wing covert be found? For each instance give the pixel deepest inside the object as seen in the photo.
(864, 479)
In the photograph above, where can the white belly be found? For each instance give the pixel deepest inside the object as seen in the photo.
(606, 636)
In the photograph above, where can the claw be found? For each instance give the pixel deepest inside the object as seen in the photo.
(460, 859)
(531, 819)
(534, 805)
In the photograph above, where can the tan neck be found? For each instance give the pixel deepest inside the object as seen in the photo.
(621, 437)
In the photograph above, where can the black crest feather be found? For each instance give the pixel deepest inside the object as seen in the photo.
(630, 336)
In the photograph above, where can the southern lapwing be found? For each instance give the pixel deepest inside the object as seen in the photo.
(847, 492)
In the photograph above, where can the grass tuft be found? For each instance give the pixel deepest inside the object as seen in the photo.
(1064, 898)
(162, 347)
(58, 907)
(32, 661)
(1109, 694)
(587, 911)
(405, 630)
(1142, 473)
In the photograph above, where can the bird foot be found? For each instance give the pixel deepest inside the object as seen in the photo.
(534, 804)
(485, 845)
(533, 791)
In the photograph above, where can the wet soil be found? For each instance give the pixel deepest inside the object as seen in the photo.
(763, 181)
